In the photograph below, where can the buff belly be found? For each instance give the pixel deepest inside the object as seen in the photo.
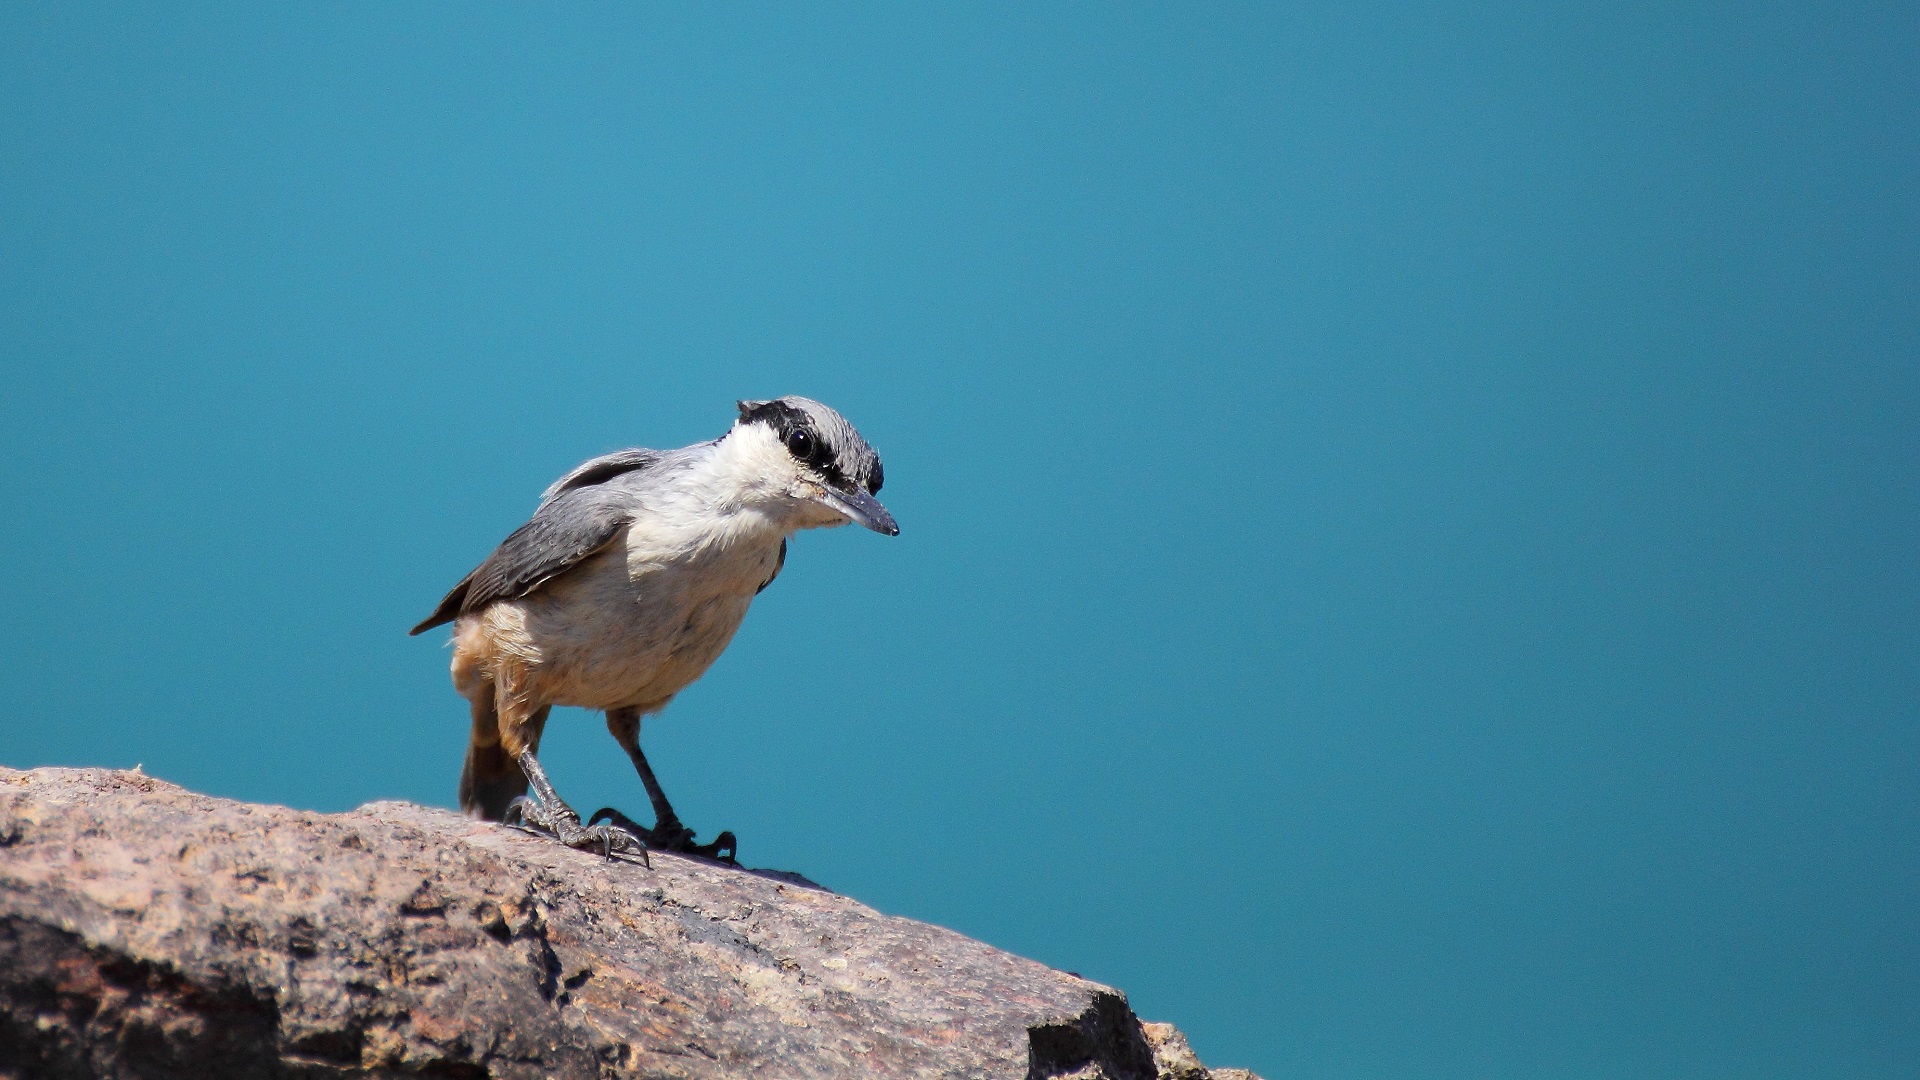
(620, 630)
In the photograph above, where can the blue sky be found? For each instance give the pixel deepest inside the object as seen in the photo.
(1408, 514)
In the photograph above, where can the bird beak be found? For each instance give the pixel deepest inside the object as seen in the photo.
(859, 506)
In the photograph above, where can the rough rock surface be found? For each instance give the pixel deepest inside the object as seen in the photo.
(146, 931)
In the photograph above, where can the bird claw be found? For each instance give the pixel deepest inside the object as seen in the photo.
(529, 815)
(670, 835)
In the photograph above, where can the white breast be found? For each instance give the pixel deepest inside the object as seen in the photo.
(640, 621)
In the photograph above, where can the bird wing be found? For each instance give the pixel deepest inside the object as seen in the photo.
(577, 517)
(600, 470)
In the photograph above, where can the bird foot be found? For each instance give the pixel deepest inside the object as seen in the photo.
(530, 815)
(668, 835)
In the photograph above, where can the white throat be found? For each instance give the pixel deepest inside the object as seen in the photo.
(749, 476)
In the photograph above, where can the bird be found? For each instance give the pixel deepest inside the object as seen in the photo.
(624, 587)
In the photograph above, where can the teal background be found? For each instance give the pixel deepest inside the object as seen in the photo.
(1409, 511)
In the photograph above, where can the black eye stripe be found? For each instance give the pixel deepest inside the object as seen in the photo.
(808, 447)
(787, 422)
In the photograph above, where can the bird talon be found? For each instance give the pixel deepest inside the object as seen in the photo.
(611, 841)
(723, 842)
(526, 814)
(620, 821)
(530, 815)
(670, 835)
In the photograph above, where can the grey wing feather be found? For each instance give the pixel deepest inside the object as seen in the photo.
(576, 518)
(601, 469)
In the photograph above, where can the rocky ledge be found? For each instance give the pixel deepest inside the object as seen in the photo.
(146, 931)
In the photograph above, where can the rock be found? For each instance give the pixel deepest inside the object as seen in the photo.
(146, 931)
(1171, 1054)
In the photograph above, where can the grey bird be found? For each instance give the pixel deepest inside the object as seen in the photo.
(624, 587)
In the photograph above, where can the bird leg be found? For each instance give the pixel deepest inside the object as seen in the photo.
(544, 812)
(667, 834)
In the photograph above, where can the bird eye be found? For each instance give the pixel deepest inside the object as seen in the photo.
(800, 444)
(873, 482)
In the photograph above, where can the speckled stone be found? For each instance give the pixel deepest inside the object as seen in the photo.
(146, 931)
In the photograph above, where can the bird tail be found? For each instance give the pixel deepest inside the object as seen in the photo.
(490, 779)
(448, 610)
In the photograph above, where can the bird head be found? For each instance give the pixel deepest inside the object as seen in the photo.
(827, 463)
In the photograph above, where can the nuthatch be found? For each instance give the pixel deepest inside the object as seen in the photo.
(626, 585)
